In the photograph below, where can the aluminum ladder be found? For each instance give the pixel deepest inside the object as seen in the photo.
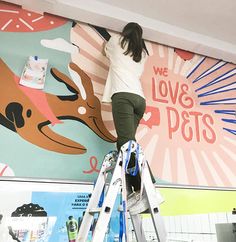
(114, 163)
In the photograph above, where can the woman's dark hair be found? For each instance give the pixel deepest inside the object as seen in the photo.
(132, 36)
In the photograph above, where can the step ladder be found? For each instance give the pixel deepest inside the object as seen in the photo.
(115, 164)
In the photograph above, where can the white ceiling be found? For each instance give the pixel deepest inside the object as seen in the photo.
(206, 27)
(215, 18)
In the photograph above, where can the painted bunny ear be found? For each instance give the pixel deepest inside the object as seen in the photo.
(77, 81)
(82, 80)
(61, 77)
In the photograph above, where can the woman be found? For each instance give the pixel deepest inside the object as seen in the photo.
(127, 54)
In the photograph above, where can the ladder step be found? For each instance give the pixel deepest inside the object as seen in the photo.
(95, 210)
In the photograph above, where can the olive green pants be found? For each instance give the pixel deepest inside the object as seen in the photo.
(127, 111)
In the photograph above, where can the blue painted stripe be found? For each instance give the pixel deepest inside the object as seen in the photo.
(214, 91)
(230, 112)
(232, 121)
(217, 80)
(220, 102)
(209, 72)
(232, 131)
(195, 68)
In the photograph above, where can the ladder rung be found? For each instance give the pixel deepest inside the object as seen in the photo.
(95, 210)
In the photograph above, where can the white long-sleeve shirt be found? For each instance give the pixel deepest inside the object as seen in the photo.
(124, 73)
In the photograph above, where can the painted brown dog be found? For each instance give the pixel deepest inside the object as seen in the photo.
(29, 112)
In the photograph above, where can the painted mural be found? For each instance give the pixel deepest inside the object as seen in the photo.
(187, 132)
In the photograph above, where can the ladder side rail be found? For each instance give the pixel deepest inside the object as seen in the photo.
(93, 202)
(106, 210)
(138, 227)
(154, 200)
(136, 219)
(125, 236)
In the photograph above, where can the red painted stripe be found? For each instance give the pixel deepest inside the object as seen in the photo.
(1, 173)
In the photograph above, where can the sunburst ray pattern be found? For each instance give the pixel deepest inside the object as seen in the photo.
(216, 88)
(188, 130)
